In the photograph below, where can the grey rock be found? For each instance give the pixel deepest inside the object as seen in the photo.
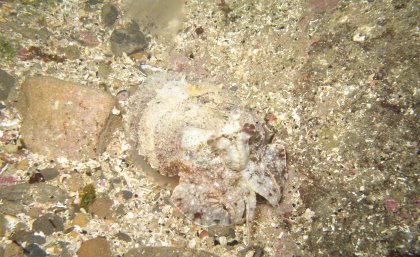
(123, 236)
(104, 69)
(216, 230)
(48, 224)
(35, 251)
(109, 15)
(167, 252)
(7, 82)
(128, 40)
(49, 173)
(43, 34)
(126, 194)
(15, 198)
(71, 52)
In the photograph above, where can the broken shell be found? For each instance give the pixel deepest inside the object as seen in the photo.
(217, 148)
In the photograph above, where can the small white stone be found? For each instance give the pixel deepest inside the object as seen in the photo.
(359, 37)
(192, 243)
(223, 241)
(115, 111)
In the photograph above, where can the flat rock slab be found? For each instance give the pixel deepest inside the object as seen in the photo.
(65, 119)
(16, 198)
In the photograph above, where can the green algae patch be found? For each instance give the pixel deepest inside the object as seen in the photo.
(87, 196)
(7, 49)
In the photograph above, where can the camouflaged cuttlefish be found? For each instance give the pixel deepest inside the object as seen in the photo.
(221, 152)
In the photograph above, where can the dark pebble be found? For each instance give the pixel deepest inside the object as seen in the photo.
(233, 243)
(36, 178)
(120, 210)
(7, 82)
(35, 251)
(48, 224)
(127, 194)
(128, 40)
(123, 236)
(49, 173)
(233, 88)
(28, 237)
(109, 14)
(115, 180)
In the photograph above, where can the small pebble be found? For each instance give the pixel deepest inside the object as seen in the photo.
(35, 251)
(128, 40)
(23, 236)
(123, 236)
(22, 164)
(101, 207)
(3, 225)
(75, 182)
(81, 220)
(7, 82)
(71, 52)
(13, 250)
(87, 38)
(104, 70)
(123, 95)
(92, 2)
(192, 243)
(36, 178)
(222, 240)
(227, 231)
(49, 173)
(48, 224)
(94, 248)
(62, 249)
(109, 14)
(127, 194)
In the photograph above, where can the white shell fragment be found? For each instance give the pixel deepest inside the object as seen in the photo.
(222, 154)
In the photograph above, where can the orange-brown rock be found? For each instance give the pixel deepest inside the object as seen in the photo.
(95, 247)
(65, 119)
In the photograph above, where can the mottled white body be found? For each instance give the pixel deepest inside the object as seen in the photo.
(218, 149)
